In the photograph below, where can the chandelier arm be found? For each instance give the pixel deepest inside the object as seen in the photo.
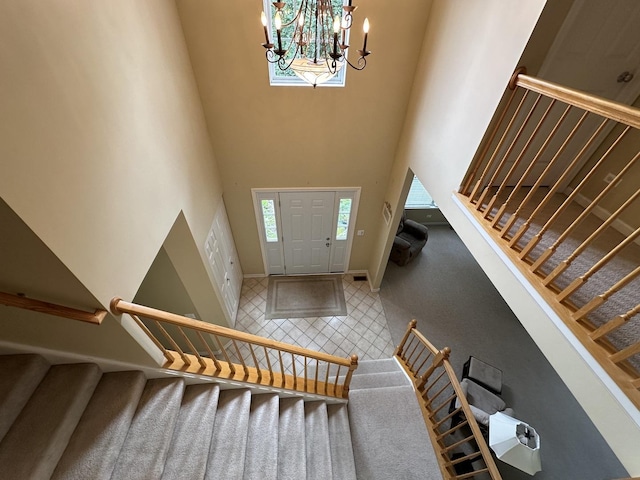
(303, 4)
(271, 56)
(281, 60)
(325, 35)
(348, 19)
(362, 62)
(332, 66)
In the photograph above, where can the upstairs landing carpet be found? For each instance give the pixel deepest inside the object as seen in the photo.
(298, 297)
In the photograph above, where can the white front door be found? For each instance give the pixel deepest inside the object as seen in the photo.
(307, 226)
(306, 231)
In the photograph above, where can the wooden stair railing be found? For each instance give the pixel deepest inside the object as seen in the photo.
(454, 432)
(530, 187)
(233, 355)
(96, 317)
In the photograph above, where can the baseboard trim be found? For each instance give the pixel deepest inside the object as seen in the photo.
(255, 275)
(55, 357)
(603, 214)
(350, 272)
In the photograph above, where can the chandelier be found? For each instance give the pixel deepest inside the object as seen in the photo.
(311, 38)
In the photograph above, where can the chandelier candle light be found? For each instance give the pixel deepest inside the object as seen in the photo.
(316, 49)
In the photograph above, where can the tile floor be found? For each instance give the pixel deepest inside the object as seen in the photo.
(363, 331)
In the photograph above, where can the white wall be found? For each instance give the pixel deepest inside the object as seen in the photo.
(469, 52)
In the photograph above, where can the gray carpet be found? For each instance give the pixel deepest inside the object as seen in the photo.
(79, 424)
(456, 305)
(299, 297)
(390, 440)
(621, 265)
(47, 422)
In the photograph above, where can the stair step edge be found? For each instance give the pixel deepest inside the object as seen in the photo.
(189, 449)
(318, 449)
(262, 438)
(342, 459)
(155, 418)
(229, 441)
(47, 421)
(96, 443)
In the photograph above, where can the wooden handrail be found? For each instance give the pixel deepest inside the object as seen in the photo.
(247, 366)
(546, 222)
(616, 111)
(96, 317)
(447, 385)
(119, 306)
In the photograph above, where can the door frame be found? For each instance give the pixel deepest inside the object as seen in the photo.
(352, 219)
(627, 96)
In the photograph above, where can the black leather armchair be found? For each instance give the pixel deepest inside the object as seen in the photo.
(410, 238)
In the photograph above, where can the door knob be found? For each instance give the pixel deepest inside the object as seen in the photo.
(328, 244)
(625, 77)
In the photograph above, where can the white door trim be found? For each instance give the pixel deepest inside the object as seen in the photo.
(258, 215)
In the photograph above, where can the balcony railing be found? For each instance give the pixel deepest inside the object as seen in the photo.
(556, 183)
(460, 447)
(202, 348)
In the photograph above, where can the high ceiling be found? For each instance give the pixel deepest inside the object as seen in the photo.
(265, 137)
(231, 71)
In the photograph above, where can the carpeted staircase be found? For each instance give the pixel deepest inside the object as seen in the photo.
(388, 433)
(74, 422)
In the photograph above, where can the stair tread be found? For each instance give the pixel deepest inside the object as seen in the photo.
(229, 442)
(189, 450)
(20, 375)
(262, 438)
(47, 421)
(147, 443)
(94, 447)
(291, 440)
(342, 462)
(378, 380)
(318, 450)
(389, 437)
(377, 366)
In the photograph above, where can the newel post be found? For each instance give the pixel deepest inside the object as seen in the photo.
(513, 81)
(347, 380)
(438, 358)
(114, 305)
(400, 347)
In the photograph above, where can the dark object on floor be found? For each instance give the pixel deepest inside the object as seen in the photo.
(465, 466)
(483, 374)
(482, 385)
(410, 238)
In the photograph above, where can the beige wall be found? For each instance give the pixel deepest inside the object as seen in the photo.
(163, 289)
(468, 55)
(270, 137)
(29, 268)
(626, 150)
(469, 52)
(102, 136)
(189, 262)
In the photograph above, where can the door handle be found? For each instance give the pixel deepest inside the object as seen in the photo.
(328, 244)
(625, 77)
